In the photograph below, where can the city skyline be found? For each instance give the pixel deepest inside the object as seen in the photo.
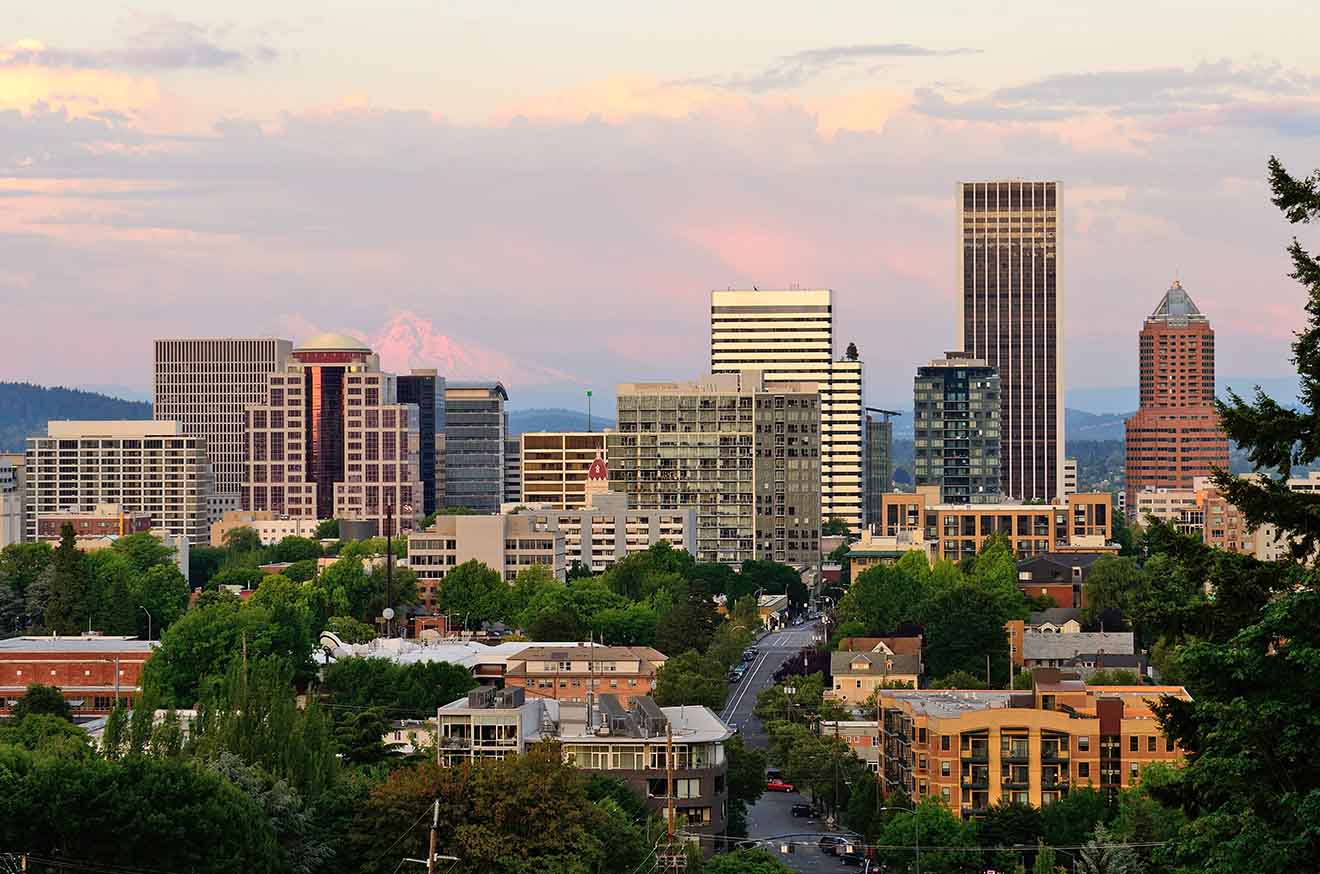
(295, 175)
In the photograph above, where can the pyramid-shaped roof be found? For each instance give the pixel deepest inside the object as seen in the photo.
(1176, 307)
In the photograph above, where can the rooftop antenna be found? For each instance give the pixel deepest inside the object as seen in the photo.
(588, 410)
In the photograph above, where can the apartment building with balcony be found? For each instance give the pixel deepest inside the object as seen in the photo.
(572, 674)
(630, 741)
(742, 451)
(973, 749)
(141, 466)
(1082, 522)
(956, 430)
(605, 530)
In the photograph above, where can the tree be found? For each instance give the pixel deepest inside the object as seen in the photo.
(994, 571)
(1115, 677)
(834, 527)
(144, 550)
(301, 571)
(851, 352)
(237, 577)
(1114, 583)
(39, 699)
(70, 604)
(22, 563)
(960, 680)
(1276, 437)
(56, 735)
(746, 781)
(520, 813)
(1008, 824)
(348, 588)
(883, 597)
(561, 624)
(349, 630)
(251, 712)
(472, 593)
(242, 540)
(164, 592)
(113, 607)
(1100, 856)
(1070, 820)
(775, 578)
(931, 824)
(139, 813)
(411, 691)
(204, 562)
(361, 736)
(327, 529)
(691, 678)
(634, 625)
(295, 549)
(302, 849)
(966, 626)
(744, 862)
(690, 622)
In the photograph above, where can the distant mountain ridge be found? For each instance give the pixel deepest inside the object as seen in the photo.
(26, 408)
(554, 419)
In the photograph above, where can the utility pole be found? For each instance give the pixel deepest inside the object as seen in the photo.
(987, 670)
(389, 568)
(437, 737)
(435, 824)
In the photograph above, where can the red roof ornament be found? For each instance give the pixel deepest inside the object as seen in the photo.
(597, 470)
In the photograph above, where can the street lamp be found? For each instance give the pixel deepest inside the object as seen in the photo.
(148, 612)
(916, 824)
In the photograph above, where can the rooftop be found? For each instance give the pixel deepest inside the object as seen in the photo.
(93, 644)
(1176, 307)
(946, 703)
(332, 342)
(1054, 616)
(877, 663)
(1036, 645)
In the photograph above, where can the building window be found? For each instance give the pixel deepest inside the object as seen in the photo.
(1134, 744)
(1083, 743)
(1083, 769)
(1150, 744)
(1168, 744)
(944, 769)
(944, 742)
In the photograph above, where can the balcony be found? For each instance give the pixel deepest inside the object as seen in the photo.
(1015, 752)
(1054, 756)
(978, 754)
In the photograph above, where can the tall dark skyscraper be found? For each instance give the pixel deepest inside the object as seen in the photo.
(426, 389)
(956, 438)
(879, 463)
(1009, 257)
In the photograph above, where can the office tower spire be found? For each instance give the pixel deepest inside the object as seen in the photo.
(1011, 317)
(1174, 437)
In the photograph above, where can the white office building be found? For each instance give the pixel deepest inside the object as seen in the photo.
(206, 385)
(143, 466)
(789, 336)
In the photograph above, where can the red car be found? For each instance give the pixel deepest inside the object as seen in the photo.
(777, 785)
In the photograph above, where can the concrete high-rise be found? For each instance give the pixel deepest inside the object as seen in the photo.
(206, 385)
(956, 441)
(743, 451)
(1010, 267)
(331, 440)
(1174, 437)
(789, 336)
(426, 389)
(512, 470)
(143, 466)
(476, 427)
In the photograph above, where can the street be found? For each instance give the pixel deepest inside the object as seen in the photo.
(771, 816)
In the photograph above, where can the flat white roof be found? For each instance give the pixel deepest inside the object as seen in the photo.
(76, 644)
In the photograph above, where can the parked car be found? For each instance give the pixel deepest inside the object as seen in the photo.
(749, 656)
(802, 810)
(734, 676)
(733, 727)
(774, 784)
(854, 860)
(831, 845)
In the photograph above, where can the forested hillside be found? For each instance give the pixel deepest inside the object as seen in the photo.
(25, 409)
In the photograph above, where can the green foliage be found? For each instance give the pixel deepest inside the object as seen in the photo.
(361, 736)
(204, 562)
(251, 713)
(1114, 677)
(633, 625)
(744, 862)
(746, 781)
(327, 529)
(690, 621)
(691, 678)
(775, 578)
(301, 849)
(1114, 583)
(822, 765)
(144, 550)
(301, 571)
(960, 680)
(884, 596)
(294, 549)
(46, 732)
(139, 813)
(472, 594)
(1008, 824)
(22, 563)
(242, 540)
(522, 813)
(349, 630)
(411, 691)
(44, 700)
(241, 577)
(965, 626)
(113, 608)
(208, 639)
(834, 527)
(932, 825)
(1022, 680)
(164, 592)
(70, 606)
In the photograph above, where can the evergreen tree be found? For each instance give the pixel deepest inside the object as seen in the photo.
(70, 604)
(114, 610)
(1278, 437)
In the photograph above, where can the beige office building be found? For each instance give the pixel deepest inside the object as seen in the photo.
(789, 336)
(331, 441)
(506, 543)
(555, 466)
(606, 530)
(143, 466)
(744, 452)
(206, 385)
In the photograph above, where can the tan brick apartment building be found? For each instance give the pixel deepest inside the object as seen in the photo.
(956, 531)
(568, 675)
(972, 749)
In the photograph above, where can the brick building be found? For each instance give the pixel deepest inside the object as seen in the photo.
(92, 670)
(566, 674)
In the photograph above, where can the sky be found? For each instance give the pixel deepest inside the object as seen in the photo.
(546, 193)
